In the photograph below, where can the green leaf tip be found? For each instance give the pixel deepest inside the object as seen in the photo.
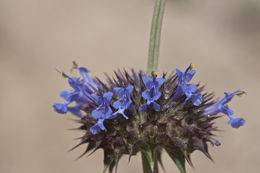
(178, 158)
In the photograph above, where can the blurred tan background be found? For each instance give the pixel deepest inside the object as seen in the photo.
(37, 36)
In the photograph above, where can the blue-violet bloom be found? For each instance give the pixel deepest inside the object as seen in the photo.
(75, 95)
(152, 93)
(98, 127)
(125, 99)
(81, 94)
(102, 112)
(222, 106)
(173, 128)
(187, 89)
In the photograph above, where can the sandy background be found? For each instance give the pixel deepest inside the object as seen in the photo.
(37, 36)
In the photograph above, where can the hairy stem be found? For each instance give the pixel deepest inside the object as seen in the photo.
(155, 36)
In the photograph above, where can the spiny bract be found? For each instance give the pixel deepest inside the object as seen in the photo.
(133, 113)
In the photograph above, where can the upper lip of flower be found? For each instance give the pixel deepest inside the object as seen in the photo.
(154, 82)
(184, 78)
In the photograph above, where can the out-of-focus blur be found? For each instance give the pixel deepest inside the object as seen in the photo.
(39, 36)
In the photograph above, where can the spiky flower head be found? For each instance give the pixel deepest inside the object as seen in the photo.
(133, 113)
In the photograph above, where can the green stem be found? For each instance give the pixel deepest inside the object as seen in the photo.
(150, 161)
(155, 36)
(145, 162)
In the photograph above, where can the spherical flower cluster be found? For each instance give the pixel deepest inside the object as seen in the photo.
(133, 112)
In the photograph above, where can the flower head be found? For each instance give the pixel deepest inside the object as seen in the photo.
(148, 121)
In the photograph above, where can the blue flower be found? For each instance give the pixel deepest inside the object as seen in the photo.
(61, 108)
(184, 78)
(75, 95)
(236, 122)
(81, 94)
(152, 93)
(89, 84)
(222, 106)
(98, 127)
(154, 82)
(125, 99)
(69, 97)
(102, 112)
(187, 89)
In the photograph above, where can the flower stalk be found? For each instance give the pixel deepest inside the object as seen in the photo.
(155, 36)
(149, 161)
